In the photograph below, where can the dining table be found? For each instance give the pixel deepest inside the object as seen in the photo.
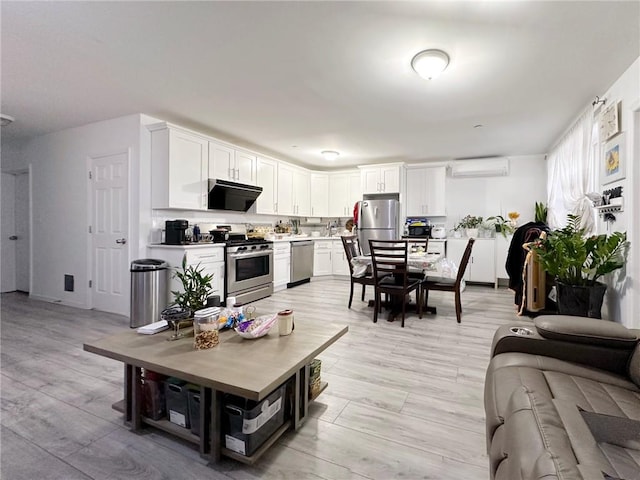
(430, 264)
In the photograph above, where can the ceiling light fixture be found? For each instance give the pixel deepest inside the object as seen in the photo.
(430, 63)
(330, 154)
(5, 120)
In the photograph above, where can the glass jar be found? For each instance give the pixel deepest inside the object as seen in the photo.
(205, 328)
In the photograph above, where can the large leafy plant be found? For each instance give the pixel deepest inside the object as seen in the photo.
(575, 259)
(196, 286)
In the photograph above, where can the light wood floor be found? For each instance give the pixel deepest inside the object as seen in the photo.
(401, 403)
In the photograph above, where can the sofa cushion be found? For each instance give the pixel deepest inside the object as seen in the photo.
(634, 366)
(537, 443)
(586, 330)
(591, 389)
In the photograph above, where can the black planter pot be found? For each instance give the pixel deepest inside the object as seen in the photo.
(580, 301)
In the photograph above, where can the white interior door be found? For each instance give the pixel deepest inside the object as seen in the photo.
(8, 241)
(23, 242)
(110, 228)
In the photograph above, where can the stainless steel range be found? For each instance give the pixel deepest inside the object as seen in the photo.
(249, 268)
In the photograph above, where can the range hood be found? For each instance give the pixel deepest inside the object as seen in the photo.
(225, 195)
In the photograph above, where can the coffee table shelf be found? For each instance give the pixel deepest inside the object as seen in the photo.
(260, 451)
(173, 429)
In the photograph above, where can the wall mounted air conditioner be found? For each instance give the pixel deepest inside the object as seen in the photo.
(480, 167)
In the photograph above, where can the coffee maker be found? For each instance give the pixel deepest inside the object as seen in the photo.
(176, 232)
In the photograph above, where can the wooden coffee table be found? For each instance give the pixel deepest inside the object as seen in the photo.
(249, 368)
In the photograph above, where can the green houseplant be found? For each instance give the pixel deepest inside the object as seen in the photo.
(541, 212)
(501, 225)
(196, 287)
(577, 262)
(471, 224)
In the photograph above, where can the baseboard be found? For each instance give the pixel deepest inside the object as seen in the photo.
(44, 298)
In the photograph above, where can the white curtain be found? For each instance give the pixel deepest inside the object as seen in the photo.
(572, 174)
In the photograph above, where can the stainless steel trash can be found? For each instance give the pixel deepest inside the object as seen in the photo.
(149, 283)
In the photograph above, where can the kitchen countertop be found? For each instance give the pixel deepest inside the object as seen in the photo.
(190, 245)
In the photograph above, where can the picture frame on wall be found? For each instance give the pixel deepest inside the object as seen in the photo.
(614, 160)
(610, 122)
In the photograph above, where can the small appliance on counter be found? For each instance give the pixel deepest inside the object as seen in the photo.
(176, 232)
(418, 227)
(438, 231)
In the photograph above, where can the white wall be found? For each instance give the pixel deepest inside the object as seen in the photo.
(623, 295)
(60, 192)
(491, 196)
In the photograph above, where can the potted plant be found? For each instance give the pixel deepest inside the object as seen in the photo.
(501, 225)
(471, 224)
(577, 262)
(196, 287)
(540, 212)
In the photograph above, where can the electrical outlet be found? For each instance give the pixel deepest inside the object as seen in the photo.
(68, 283)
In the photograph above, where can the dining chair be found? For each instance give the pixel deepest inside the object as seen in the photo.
(449, 284)
(391, 274)
(352, 249)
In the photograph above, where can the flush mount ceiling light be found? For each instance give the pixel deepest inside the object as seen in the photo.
(430, 63)
(5, 120)
(330, 154)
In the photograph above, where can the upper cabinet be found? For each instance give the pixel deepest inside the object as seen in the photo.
(426, 191)
(381, 179)
(267, 178)
(301, 192)
(319, 194)
(344, 192)
(230, 164)
(179, 170)
(293, 191)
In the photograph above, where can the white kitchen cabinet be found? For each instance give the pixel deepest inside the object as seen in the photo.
(481, 267)
(285, 190)
(322, 257)
(425, 191)
(227, 163)
(344, 191)
(294, 197)
(209, 258)
(319, 194)
(179, 168)
(267, 178)
(502, 250)
(301, 192)
(339, 264)
(381, 179)
(281, 265)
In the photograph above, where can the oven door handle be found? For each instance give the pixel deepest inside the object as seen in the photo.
(260, 253)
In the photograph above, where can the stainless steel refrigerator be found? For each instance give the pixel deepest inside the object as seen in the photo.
(377, 220)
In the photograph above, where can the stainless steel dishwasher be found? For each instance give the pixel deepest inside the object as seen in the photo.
(301, 262)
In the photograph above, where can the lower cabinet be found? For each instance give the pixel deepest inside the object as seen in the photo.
(502, 250)
(482, 266)
(209, 259)
(322, 258)
(281, 265)
(339, 265)
(329, 258)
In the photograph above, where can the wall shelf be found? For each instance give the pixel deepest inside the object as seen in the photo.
(616, 205)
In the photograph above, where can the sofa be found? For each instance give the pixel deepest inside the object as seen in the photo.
(562, 401)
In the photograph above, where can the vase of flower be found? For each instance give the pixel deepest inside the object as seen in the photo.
(472, 232)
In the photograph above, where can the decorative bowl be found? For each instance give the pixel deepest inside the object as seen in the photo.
(257, 327)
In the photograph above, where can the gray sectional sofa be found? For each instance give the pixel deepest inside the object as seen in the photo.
(562, 401)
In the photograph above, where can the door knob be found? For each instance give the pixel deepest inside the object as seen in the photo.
(121, 241)
(13, 237)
